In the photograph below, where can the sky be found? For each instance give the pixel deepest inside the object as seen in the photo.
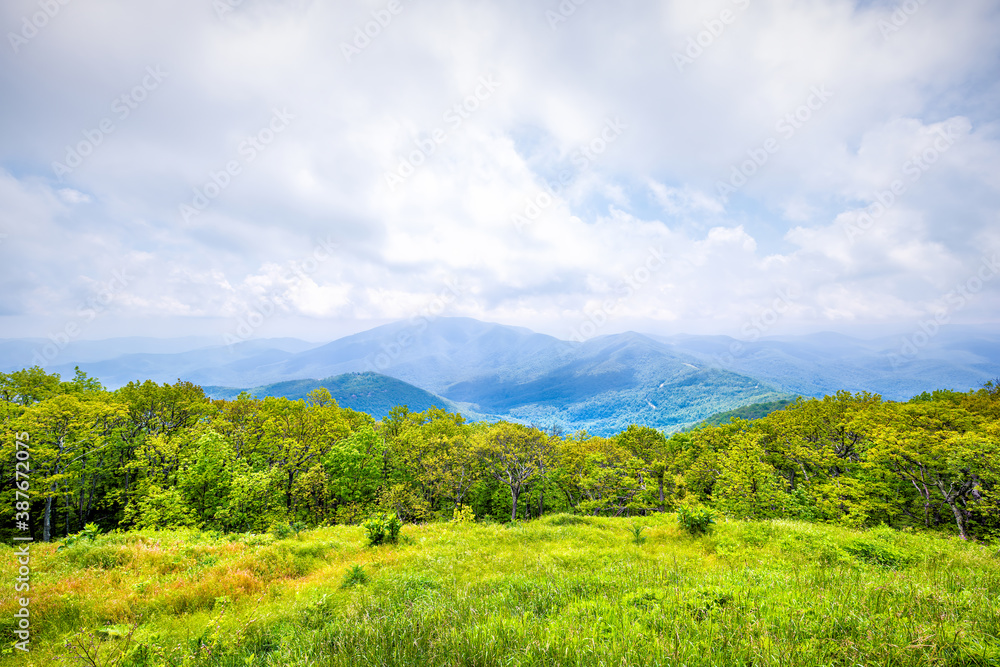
(265, 168)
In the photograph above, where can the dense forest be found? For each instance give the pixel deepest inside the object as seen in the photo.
(166, 456)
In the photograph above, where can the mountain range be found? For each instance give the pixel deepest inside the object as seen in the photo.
(493, 371)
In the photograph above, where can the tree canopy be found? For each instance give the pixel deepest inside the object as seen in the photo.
(150, 455)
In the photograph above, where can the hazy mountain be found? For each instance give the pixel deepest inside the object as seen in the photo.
(819, 364)
(433, 355)
(602, 384)
(24, 352)
(607, 383)
(118, 361)
(492, 370)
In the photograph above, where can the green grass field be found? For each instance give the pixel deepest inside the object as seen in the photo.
(563, 590)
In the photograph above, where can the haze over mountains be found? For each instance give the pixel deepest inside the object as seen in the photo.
(496, 371)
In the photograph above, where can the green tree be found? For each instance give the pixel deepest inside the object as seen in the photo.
(67, 435)
(206, 479)
(650, 447)
(748, 487)
(437, 449)
(513, 455)
(353, 467)
(942, 450)
(28, 386)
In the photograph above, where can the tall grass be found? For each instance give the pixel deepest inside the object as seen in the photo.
(563, 590)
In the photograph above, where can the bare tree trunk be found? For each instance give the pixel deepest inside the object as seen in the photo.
(925, 493)
(959, 519)
(951, 497)
(90, 499)
(47, 518)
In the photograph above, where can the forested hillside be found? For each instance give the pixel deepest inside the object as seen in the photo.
(165, 456)
(371, 393)
(752, 411)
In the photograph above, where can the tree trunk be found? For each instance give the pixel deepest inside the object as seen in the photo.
(959, 518)
(951, 497)
(90, 500)
(47, 520)
(925, 493)
(513, 510)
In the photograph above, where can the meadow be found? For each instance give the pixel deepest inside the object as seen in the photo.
(561, 590)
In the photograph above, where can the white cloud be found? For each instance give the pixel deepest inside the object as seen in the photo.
(653, 185)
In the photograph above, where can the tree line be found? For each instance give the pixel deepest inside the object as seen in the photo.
(163, 456)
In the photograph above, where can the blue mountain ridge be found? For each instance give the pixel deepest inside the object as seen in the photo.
(603, 384)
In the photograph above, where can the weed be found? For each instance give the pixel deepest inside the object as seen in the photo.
(876, 552)
(85, 648)
(355, 576)
(636, 531)
(695, 520)
(281, 530)
(89, 533)
(383, 529)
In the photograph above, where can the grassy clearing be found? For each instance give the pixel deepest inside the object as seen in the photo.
(561, 590)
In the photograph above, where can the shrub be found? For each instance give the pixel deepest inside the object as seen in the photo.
(695, 520)
(383, 529)
(464, 514)
(89, 532)
(281, 530)
(877, 552)
(355, 576)
(636, 532)
(404, 502)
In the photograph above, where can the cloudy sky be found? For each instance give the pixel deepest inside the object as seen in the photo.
(317, 168)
